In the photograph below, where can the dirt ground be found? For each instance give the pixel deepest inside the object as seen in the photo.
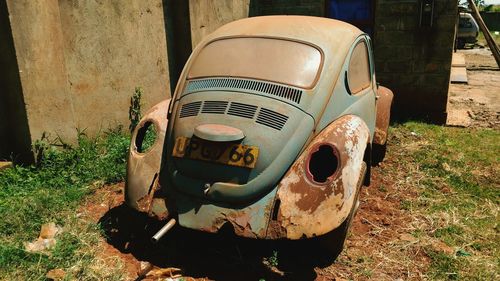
(477, 103)
(378, 229)
(380, 245)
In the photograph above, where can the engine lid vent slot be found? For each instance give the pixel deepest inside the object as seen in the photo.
(214, 107)
(190, 109)
(271, 118)
(242, 110)
(282, 91)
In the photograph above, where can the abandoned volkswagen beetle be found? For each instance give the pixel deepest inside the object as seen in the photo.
(270, 131)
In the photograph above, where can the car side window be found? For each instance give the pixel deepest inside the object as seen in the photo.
(358, 73)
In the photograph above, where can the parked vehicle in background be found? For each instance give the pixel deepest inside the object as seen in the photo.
(468, 30)
(271, 132)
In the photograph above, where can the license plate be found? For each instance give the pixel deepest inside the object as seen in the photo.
(223, 153)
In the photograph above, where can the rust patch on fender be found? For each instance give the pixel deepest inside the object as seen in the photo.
(153, 202)
(143, 167)
(158, 209)
(384, 103)
(144, 203)
(310, 209)
(275, 230)
(241, 224)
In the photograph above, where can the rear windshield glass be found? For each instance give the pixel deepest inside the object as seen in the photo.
(275, 60)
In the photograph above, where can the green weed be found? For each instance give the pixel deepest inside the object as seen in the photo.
(134, 111)
(51, 191)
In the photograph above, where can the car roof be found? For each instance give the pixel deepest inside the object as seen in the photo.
(322, 32)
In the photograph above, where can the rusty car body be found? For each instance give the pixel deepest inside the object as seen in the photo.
(271, 130)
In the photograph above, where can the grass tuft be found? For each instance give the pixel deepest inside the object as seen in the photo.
(51, 192)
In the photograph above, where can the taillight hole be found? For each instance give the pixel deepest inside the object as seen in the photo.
(323, 163)
(146, 137)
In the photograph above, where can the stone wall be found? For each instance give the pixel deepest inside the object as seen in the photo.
(415, 61)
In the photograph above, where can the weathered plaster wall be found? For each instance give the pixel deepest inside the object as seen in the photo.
(110, 47)
(414, 61)
(208, 15)
(78, 63)
(36, 29)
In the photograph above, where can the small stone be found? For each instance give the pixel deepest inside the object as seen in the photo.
(56, 274)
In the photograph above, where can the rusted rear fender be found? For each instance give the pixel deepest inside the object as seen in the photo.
(318, 192)
(143, 166)
(384, 103)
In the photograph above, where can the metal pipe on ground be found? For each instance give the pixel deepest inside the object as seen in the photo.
(163, 231)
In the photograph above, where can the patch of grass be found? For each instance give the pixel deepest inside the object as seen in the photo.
(406, 205)
(51, 192)
(273, 259)
(445, 267)
(458, 174)
(482, 40)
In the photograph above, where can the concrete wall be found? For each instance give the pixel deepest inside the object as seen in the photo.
(78, 62)
(415, 61)
(110, 48)
(178, 29)
(37, 33)
(492, 20)
(14, 131)
(208, 15)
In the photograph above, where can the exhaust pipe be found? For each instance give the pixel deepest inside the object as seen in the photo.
(163, 231)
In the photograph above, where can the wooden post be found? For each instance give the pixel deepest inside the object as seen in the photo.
(487, 35)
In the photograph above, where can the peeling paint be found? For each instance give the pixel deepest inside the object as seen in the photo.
(310, 209)
(247, 221)
(384, 102)
(143, 168)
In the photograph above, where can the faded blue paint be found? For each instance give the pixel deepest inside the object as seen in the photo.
(248, 221)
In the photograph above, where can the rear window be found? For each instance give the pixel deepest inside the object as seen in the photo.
(276, 60)
(358, 74)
